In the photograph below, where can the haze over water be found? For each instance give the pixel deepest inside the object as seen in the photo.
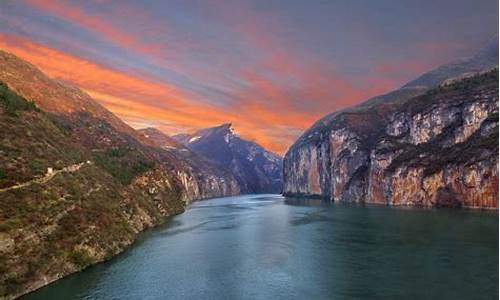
(269, 247)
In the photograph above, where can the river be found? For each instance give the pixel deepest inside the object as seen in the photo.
(270, 247)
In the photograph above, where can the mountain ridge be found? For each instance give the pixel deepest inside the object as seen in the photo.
(485, 58)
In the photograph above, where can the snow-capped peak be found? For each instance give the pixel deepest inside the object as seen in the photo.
(194, 139)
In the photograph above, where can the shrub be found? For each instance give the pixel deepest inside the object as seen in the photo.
(12, 102)
(118, 152)
(80, 257)
(123, 164)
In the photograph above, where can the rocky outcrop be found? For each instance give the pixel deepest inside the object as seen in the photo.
(436, 149)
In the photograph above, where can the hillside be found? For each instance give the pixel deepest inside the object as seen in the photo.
(76, 183)
(77, 218)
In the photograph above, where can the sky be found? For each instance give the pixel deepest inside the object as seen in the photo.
(271, 68)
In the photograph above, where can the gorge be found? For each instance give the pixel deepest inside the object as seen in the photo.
(393, 197)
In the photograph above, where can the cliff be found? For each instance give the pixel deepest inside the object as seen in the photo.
(436, 148)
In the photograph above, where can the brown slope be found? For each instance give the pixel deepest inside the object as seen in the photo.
(90, 121)
(54, 96)
(160, 139)
(51, 226)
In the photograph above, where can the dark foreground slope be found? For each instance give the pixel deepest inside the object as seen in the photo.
(52, 228)
(256, 169)
(76, 183)
(438, 148)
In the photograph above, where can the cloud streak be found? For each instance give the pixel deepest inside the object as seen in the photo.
(270, 68)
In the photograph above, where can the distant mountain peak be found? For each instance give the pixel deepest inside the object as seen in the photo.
(256, 169)
(223, 128)
(224, 132)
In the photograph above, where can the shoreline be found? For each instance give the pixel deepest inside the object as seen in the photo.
(45, 281)
(328, 201)
(41, 284)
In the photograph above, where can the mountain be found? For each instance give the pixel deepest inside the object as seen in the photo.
(77, 184)
(434, 142)
(197, 163)
(486, 58)
(77, 109)
(256, 169)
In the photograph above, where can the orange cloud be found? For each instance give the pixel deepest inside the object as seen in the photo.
(133, 98)
(270, 111)
(271, 108)
(85, 73)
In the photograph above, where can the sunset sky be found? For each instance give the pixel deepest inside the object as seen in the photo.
(271, 68)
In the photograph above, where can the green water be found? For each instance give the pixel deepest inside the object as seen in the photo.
(269, 247)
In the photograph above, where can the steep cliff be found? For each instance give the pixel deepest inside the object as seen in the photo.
(439, 148)
(255, 169)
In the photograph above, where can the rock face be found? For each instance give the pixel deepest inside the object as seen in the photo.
(438, 148)
(127, 182)
(256, 169)
(200, 177)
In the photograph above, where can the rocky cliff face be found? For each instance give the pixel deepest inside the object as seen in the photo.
(436, 149)
(256, 170)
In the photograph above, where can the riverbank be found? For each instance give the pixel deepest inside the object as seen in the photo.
(123, 247)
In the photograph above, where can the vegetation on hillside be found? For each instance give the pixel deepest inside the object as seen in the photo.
(11, 102)
(77, 218)
(123, 163)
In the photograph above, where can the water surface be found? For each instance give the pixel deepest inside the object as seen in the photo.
(269, 247)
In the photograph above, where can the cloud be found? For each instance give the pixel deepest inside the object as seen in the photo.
(133, 98)
(186, 65)
(75, 14)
